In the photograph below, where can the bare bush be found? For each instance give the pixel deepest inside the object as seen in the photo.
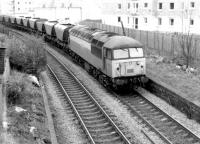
(187, 45)
(19, 89)
(27, 56)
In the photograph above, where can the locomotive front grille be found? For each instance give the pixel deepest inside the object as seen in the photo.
(130, 70)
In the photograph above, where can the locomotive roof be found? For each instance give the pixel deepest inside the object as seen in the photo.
(116, 42)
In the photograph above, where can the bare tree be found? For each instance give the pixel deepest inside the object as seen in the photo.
(186, 42)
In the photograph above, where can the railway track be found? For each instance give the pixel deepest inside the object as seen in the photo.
(168, 129)
(97, 125)
(100, 128)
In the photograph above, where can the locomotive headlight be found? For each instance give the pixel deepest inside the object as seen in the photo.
(117, 70)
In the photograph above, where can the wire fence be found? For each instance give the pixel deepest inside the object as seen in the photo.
(162, 44)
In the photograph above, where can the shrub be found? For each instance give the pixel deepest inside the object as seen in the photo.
(27, 56)
(19, 89)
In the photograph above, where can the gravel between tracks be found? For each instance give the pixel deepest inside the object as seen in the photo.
(127, 122)
(174, 113)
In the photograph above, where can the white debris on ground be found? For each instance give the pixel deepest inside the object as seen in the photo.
(34, 80)
(124, 118)
(19, 109)
(187, 69)
(5, 124)
(159, 59)
(32, 128)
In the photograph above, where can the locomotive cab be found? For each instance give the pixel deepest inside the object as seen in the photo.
(123, 60)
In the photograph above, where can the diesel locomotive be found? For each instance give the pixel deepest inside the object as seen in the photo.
(113, 59)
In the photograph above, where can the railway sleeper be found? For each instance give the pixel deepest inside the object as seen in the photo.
(99, 126)
(114, 140)
(106, 136)
(86, 107)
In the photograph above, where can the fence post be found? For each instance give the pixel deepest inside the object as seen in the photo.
(147, 38)
(154, 46)
(129, 32)
(158, 43)
(172, 46)
(162, 44)
(195, 47)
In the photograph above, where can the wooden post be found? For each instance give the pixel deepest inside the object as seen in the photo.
(162, 43)
(147, 38)
(172, 46)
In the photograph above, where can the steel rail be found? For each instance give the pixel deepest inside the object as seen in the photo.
(105, 114)
(155, 129)
(74, 108)
(145, 121)
(168, 116)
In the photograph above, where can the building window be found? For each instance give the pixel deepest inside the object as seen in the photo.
(160, 6)
(159, 21)
(145, 20)
(171, 21)
(119, 6)
(129, 5)
(29, 2)
(192, 4)
(119, 18)
(136, 23)
(62, 5)
(128, 20)
(191, 22)
(18, 2)
(145, 5)
(136, 5)
(18, 9)
(171, 5)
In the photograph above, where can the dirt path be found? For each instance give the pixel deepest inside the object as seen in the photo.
(5, 138)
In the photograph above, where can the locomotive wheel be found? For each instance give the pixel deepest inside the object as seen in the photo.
(101, 79)
(95, 73)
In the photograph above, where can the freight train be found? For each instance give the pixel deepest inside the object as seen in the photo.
(113, 59)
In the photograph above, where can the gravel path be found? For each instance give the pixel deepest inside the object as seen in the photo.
(6, 138)
(127, 122)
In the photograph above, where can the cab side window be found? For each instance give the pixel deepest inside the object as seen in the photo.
(108, 54)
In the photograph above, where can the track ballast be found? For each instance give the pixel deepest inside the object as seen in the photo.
(97, 125)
